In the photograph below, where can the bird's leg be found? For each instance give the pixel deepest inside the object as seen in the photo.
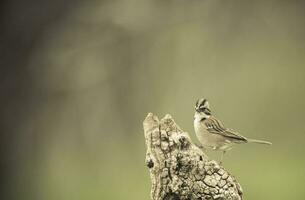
(201, 147)
(221, 158)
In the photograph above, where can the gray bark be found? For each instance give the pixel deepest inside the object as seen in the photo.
(179, 169)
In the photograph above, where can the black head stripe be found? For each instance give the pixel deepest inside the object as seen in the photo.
(197, 103)
(201, 105)
(207, 111)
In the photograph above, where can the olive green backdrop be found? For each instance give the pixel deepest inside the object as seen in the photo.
(91, 75)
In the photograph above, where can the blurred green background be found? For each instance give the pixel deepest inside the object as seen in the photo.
(79, 77)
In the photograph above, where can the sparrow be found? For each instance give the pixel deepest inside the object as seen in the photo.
(211, 132)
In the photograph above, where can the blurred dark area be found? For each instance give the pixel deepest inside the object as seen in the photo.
(77, 79)
(22, 24)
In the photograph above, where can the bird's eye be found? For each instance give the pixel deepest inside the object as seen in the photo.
(207, 111)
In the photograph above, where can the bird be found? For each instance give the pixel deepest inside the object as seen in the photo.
(212, 133)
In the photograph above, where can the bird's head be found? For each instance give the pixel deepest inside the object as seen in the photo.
(202, 107)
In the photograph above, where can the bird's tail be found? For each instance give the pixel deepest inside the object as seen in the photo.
(259, 141)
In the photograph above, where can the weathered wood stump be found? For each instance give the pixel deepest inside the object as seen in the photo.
(179, 169)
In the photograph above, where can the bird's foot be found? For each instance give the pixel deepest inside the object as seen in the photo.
(221, 159)
(201, 147)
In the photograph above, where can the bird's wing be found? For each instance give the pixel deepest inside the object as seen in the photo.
(216, 127)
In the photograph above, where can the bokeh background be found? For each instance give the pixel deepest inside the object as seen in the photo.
(77, 78)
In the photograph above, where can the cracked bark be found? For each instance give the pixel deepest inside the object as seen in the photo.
(179, 169)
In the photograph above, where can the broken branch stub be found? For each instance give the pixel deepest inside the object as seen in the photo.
(179, 169)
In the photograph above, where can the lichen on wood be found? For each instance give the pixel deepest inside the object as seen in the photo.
(179, 169)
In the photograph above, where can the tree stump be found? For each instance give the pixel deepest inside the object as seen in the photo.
(179, 169)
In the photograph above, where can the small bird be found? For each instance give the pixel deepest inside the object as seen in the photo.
(212, 133)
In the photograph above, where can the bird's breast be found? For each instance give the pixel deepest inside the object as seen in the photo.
(201, 131)
(207, 139)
